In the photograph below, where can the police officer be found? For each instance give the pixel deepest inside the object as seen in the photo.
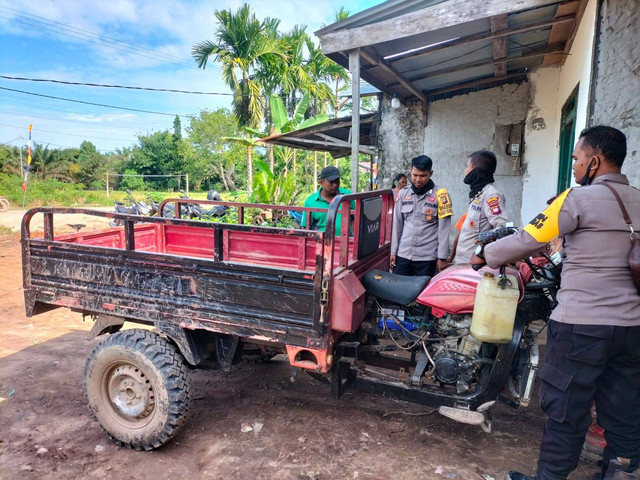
(486, 205)
(593, 341)
(421, 223)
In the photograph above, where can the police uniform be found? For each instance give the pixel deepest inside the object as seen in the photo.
(486, 211)
(593, 342)
(421, 225)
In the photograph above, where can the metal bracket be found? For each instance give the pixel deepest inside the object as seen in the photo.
(105, 324)
(421, 366)
(226, 346)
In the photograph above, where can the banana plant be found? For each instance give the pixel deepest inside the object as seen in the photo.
(280, 189)
(284, 124)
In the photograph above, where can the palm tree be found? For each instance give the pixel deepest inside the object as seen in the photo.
(242, 44)
(323, 70)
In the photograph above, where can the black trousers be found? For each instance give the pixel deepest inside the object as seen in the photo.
(415, 269)
(583, 364)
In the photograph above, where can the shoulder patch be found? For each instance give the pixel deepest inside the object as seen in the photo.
(544, 227)
(494, 205)
(445, 209)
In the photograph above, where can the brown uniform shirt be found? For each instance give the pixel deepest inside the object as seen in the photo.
(597, 287)
(485, 212)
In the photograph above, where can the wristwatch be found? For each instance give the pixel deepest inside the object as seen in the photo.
(480, 251)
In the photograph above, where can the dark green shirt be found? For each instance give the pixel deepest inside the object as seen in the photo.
(319, 219)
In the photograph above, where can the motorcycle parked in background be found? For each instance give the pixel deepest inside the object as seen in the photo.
(131, 207)
(193, 211)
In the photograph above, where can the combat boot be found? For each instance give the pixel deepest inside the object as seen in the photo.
(513, 475)
(541, 475)
(617, 470)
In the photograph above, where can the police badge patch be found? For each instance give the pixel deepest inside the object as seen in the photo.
(494, 205)
(428, 214)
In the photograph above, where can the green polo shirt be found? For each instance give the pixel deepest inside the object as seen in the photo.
(319, 219)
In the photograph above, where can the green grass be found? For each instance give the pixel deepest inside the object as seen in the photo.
(54, 193)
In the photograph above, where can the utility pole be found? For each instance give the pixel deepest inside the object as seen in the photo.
(354, 69)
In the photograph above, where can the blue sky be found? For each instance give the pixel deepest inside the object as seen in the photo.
(142, 43)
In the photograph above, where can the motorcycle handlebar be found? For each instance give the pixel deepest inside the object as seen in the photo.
(490, 236)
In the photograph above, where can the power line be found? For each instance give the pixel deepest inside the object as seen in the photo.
(67, 133)
(96, 104)
(113, 86)
(11, 141)
(36, 142)
(86, 35)
(122, 122)
(48, 109)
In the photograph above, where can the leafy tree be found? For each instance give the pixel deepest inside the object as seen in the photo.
(9, 160)
(207, 152)
(156, 154)
(130, 182)
(46, 163)
(91, 168)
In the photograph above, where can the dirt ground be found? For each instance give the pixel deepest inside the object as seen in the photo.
(47, 432)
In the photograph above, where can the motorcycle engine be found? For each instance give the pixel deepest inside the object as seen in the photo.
(455, 356)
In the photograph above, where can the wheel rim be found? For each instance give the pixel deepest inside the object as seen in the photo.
(130, 392)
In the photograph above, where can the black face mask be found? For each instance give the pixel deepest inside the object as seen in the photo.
(477, 179)
(425, 189)
(584, 181)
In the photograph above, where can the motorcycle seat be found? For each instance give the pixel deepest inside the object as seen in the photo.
(395, 288)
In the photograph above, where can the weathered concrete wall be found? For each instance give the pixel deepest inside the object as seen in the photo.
(458, 126)
(400, 139)
(551, 87)
(616, 99)
(540, 173)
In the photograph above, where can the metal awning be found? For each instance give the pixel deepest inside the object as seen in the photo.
(333, 136)
(430, 49)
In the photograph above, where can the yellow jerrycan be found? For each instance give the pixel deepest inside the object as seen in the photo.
(494, 310)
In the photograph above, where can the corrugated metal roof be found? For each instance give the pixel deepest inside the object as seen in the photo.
(467, 55)
(333, 136)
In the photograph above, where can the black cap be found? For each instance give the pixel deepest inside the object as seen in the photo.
(330, 173)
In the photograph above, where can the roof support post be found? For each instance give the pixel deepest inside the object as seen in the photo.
(354, 69)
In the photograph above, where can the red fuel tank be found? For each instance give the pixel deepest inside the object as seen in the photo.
(454, 290)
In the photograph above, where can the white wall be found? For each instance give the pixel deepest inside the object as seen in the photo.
(577, 69)
(458, 126)
(541, 135)
(550, 89)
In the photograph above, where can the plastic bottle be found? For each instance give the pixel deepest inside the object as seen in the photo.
(494, 310)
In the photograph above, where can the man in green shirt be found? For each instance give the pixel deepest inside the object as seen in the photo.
(329, 187)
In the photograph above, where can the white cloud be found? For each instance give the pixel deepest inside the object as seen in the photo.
(159, 36)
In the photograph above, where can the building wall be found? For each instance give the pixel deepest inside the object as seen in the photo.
(400, 138)
(458, 126)
(540, 172)
(616, 99)
(577, 70)
(550, 89)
